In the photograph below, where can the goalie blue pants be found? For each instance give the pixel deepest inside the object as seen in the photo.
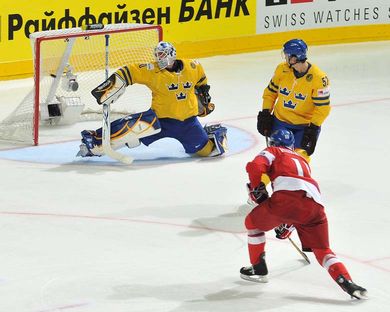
(189, 133)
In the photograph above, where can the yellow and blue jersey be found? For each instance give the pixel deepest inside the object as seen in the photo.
(173, 93)
(298, 101)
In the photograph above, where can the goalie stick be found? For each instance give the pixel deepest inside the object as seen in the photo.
(106, 127)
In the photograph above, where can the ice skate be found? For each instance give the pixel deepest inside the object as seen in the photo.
(351, 288)
(256, 273)
(84, 151)
(88, 144)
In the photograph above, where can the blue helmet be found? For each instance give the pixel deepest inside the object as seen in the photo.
(282, 137)
(297, 48)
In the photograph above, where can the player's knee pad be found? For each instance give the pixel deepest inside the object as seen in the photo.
(249, 225)
(217, 134)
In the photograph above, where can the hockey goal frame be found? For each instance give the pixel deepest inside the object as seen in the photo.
(37, 63)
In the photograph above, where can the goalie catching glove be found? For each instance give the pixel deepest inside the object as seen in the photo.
(110, 90)
(284, 230)
(204, 100)
(257, 194)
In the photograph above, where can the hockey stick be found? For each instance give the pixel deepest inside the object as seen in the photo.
(304, 256)
(106, 127)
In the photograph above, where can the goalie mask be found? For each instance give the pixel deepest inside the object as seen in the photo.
(165, 54)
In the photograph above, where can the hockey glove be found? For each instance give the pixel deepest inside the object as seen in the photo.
(284, 230)
(258, 194)
(110, 90)
(264, 122)
(204, 100)
(203, 92)
(309, 139)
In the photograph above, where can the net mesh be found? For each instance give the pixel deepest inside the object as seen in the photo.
(71, 63)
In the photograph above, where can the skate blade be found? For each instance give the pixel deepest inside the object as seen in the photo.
(358, 294)
(255, 278)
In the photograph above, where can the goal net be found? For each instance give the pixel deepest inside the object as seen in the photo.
(68, 64)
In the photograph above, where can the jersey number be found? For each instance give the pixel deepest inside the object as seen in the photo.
(303, 169)
(325, 81)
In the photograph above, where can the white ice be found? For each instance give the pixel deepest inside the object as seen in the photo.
(168, 235)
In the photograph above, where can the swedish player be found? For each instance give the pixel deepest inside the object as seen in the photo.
(180, 94)
(297, 99)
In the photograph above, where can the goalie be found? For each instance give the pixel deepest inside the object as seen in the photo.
(180, 94)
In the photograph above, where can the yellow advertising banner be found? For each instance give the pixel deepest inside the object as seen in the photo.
(198, 28)
(182, 20)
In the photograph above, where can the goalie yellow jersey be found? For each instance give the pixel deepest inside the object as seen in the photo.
(298, 101)
(173, 94)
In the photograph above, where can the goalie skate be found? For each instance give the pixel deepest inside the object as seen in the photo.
(256, 273)
(88, 146)
(351, 288)
(217, 134)
(84, 151)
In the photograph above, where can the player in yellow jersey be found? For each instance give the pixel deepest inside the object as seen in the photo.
(296, 99)
(180, 94)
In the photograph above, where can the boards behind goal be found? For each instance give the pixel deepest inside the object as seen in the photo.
(68, 64)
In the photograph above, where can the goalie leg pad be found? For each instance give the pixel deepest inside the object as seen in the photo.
(143, 124)
(125, 131)
(217, 134)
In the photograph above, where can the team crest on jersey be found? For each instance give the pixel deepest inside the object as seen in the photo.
(300, 96)
(309, 77)
(284, 91)
(187, 85)
(173, 87)
(289, 104)
(181, 96)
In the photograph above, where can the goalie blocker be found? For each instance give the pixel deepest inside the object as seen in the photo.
(110, 90)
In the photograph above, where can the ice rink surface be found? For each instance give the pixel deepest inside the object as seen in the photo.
(167, 233)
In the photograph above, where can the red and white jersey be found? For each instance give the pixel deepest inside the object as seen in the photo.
(286, 169)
